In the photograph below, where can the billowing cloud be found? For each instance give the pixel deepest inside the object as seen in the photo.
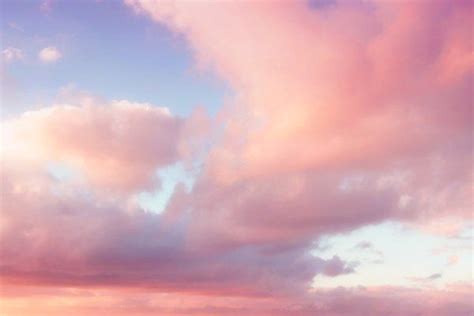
(49, 54)
(116, 145)
(89, 230)
(58, 234)
(356, 97)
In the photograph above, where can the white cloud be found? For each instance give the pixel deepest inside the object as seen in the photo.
(49, 54)
(11, 54)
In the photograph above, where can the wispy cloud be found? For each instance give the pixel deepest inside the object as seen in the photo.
(11, 54)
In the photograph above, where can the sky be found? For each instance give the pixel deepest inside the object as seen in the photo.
(236, 158)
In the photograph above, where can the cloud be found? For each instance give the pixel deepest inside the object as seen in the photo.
(46, 6)
(11, 54)
(364, 245)
(435, 276)
(116, 145)
(336, 267)
(452, 301)
(62, 234)
(344, 115)
(90, 231)
(49, 54)
(397, 301)
(300, 209)
(369, 248)
(337, 105)
(428, 279)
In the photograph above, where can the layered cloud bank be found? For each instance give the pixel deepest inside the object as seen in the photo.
(343, 115)
(83, 227)
(337, 302)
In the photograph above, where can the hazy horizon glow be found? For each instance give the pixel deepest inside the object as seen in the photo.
(236, 158)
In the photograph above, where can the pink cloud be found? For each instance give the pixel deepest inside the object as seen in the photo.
(344, 116)
(116, 146)
(371, 89)
(56, 233)
(396, 301)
